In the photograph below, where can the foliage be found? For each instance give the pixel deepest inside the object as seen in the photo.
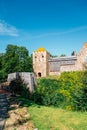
(2, 71)
(18, 87)
(63, 55)
(81, 98)
(53, 56)
(47, 92)
(71, 85)
(16, 59)
(69, 91)
(65, 91)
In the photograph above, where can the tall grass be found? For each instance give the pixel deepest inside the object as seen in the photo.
(53, 118)
(50, 118)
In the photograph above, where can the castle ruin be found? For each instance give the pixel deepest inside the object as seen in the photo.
(44, 64)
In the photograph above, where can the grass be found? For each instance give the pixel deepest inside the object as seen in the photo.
(49, 118)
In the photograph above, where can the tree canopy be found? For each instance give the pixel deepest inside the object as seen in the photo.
(15, 59)
(63, 55)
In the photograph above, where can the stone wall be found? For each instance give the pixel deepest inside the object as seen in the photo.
(28, 78)
(54, 66)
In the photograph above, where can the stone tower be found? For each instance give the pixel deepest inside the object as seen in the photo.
(40, 62)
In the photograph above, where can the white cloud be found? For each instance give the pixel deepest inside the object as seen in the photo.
(7, 29)
(61, 33)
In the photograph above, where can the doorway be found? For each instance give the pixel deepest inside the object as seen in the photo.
(39, 74)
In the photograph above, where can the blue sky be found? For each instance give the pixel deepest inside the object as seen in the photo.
(60, 26)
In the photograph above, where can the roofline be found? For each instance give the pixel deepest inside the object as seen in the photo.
(63, 58)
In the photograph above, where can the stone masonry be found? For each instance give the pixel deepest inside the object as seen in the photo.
(44, 64)
(28, 78)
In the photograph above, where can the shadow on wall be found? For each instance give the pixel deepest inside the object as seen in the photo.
(29, 79)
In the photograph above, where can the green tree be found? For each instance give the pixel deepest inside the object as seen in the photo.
(62, 55)
(16, 59)
(2, 73)
(0, 61)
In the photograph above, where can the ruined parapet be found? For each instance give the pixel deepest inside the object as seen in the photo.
(12, 76)
(28, 79)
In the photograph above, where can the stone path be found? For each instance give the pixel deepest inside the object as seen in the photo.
(3, 109)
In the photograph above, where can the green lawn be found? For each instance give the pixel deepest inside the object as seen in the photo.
(49, 118)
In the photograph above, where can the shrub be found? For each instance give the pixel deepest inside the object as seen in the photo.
(68, 91)
(18, 87)
(71, 87)
(65, 91)
(81, 97)
(3, 76)
(47, 92)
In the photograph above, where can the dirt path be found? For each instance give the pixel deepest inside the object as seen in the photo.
(13, 117)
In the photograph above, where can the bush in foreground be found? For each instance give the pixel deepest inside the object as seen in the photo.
(67, 91)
